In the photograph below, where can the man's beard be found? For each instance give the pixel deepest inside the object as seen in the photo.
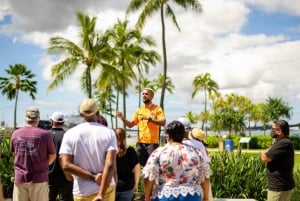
(146, 101)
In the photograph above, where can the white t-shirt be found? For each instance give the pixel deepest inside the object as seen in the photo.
(88, 143)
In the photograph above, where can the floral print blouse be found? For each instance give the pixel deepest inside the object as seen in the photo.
(176, 170)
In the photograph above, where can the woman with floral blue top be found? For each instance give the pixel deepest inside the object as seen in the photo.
(172, 172)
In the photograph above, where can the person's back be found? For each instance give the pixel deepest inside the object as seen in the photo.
(172, 172)
(33, 150)
(179, 165)
(128, 168)
(30, 147)
(89, 142)
(85, 151)
(59, 186)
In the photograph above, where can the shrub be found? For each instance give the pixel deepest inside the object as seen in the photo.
(6, 167)
(212, 141)
(237, 175)
(296, 142)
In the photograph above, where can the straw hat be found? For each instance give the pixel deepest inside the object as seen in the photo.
(197, 134)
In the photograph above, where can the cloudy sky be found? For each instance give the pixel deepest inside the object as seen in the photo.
(250, 47)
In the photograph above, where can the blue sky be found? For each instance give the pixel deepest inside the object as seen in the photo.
(249, 47)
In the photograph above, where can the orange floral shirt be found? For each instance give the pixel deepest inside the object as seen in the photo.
(148, 131)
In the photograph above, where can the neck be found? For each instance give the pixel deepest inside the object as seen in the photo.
(174, 143)
(148, 104)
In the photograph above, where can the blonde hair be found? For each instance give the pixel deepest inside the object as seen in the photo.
(150, 90)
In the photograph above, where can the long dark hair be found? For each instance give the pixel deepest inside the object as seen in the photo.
(121, 141)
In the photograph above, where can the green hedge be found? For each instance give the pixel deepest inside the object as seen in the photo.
(256, 142)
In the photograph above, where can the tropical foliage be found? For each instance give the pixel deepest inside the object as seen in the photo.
(86, 56)
(149, 7)
(208, 85)
(20, 78)
(276, 108)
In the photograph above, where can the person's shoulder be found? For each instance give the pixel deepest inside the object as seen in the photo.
(130, 149)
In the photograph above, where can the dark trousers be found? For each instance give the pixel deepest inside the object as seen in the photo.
(143, 151)
(62, 192)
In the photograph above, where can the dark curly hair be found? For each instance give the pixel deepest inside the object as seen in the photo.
(176, 131)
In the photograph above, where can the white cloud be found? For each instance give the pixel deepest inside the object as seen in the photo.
(290, 7)
(257, 65)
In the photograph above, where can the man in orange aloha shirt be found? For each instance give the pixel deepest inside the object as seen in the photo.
(149, 118)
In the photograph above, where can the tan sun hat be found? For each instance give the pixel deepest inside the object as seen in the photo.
(197, 134)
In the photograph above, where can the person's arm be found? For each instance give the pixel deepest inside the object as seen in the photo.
(136, 172)
(206, 188)
(67, 165)
(108, 174)
(51, 158)
(148, 188)
(264, 157)
(129, 124)
(159, 122)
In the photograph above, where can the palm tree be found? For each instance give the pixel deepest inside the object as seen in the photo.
(276, 108)
(160, 81)
(143, 59)
(19, 79)
(128, 49)
(164, 7)
(191, 117)
(87, 54)
(204, 82)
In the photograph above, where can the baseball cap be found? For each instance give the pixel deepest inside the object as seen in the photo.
(32, 114)
(57, 117)
(88, 107)
(186, 123)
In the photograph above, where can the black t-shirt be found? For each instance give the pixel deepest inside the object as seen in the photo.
(55, 174)
(125, 165)
(280, 169)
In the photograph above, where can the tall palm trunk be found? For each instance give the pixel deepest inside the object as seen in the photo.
(124, 95)
(117, 103)
(164, 62)
(205, 110)
(15, 109)
(164, 56)
(89, 82)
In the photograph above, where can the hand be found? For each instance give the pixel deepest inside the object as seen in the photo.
(143, 117)
(98, 178)
(97, 198)
(119, 114)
